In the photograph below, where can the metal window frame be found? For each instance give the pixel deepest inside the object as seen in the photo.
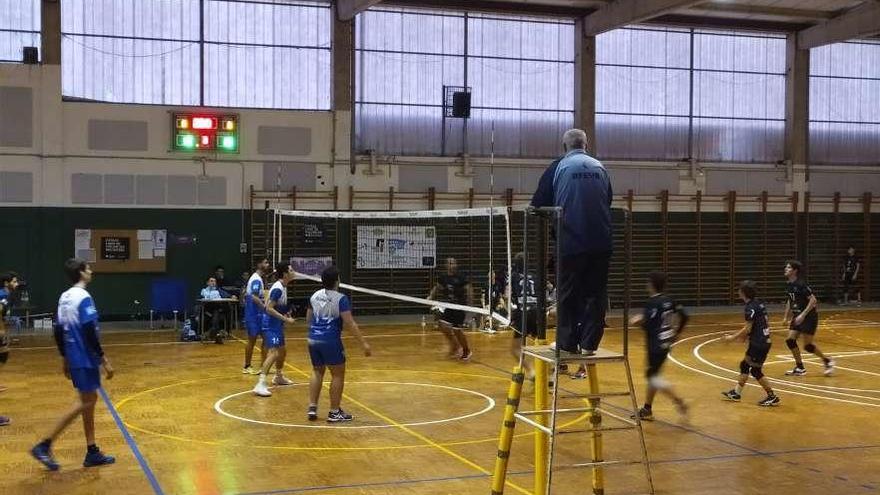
(201, 41)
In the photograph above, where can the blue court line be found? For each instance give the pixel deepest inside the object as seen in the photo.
(132, 444)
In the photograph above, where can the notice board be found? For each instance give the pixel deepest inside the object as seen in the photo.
(122, 250)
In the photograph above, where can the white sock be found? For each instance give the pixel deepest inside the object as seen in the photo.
(738, 389)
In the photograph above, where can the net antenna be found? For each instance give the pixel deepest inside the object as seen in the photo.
(508, 275)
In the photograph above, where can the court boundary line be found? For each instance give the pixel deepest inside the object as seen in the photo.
(695, 352)
(132, 444)
(749, 451)
(484, 410)
(410, 431)
(683, 460)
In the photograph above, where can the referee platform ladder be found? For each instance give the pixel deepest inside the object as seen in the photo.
(546, 419)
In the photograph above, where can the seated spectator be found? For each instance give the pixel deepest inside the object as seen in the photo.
(212, 292)
(215, 315)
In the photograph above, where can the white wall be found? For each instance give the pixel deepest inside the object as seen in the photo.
(60, 150)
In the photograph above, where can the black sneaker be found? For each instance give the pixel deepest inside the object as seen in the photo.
(338, 416)
(796, 371)
(731, 395)
(313, 413)
(580, 374)
(644, 414)
(770, 400)
(97, 458)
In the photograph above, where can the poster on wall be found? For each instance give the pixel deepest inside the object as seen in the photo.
(312, 265)
(312, 232)
(396, 246)
(115, 248)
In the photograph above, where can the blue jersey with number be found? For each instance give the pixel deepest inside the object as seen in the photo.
(327, 308)
(76, 309)
(278, 295)
(252, 310)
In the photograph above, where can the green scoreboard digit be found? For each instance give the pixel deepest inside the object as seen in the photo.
(193, 132)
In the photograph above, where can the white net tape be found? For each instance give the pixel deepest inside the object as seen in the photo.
(404, 215)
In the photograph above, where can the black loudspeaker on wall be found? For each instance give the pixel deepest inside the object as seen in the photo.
(461, 104)
(30, 55)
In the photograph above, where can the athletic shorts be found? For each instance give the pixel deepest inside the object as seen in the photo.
(454, 318)
(757, 354)
(809, 325)
(329, 353)
(86, 379)
(655, 362)
(273, 337)
(254, 326)
(848, 281)
(531, 323)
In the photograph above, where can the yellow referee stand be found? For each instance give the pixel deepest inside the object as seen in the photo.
(544, 417)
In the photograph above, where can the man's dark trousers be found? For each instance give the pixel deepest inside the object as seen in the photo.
(583, 300)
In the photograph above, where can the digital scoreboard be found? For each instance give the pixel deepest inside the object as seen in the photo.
(204, 132)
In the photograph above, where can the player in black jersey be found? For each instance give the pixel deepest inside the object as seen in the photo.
(851, 267)
(757, 332)
(802, 304)
(454, 287)
(662, 320)
(524, 302)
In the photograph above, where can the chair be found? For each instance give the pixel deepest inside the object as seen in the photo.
(167, 296)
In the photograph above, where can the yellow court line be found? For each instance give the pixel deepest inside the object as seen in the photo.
(119, 405)
(410, 431)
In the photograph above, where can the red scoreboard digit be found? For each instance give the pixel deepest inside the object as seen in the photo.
(204, 132)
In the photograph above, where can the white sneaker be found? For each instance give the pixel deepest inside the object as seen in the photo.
(553, 345)
(281, 380)
(829, 368)
(261, 390)
(247, 370)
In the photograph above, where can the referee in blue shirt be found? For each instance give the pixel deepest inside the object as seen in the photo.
(581, 186)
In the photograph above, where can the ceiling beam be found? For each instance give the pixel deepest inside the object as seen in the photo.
(740, 8)
(860, 22)
(347, 9)
(494, 6)
(624, 12)
(691, 21)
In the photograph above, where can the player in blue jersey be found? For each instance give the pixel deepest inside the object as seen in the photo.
(254, 308)
(757, 331)
(276, 315)
(77, 337)
(329, 310)
(8, 284)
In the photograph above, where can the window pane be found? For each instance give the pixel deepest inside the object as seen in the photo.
(845, 103)
(266, 54)
(19, 27)
(520, 71)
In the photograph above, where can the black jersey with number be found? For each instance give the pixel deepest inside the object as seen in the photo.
(756, 313)
(799, 296)
(657, 320)
(849, 265)
(520, 285)
(453, 288)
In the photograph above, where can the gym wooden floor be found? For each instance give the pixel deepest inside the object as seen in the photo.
(427, 425)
